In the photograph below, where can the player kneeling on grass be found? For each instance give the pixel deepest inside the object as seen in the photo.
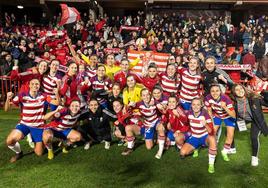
(177, 122)
(97, 128)
(151, 122)
(61, 126)
(121, 122)
(32, 105)
(202, 133)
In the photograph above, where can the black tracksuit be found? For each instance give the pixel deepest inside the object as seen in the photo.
(97, 126)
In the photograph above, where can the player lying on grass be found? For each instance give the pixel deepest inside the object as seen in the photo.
(202, 133)
(32, 105)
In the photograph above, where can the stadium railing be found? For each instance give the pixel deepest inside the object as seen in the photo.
(8, 85)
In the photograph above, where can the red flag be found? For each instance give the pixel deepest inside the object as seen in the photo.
(69, 15)
(100, 25)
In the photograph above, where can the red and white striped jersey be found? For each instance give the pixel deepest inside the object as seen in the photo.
(91, 72)
(32, 109)
(48, 84)
(97, 84)
(64, 120)
(190, 85)
(197, 126)
(217, 110)
(169, 85)
(148, 113)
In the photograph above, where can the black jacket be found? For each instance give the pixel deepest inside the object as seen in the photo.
(98, 124)
(257, 114)
(212, 78)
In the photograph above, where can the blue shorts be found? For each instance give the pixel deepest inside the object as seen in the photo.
(230, 122)
(51, 106)
(148, 132)
(36, 133)
(170, 135)
(185, 105)
(61, 134)
(197, 142)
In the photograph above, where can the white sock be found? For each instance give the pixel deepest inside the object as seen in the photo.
(211, 159)
(178, 146)
(226, 148)
(29, 138)
(130, 144)
(161, 144)
(219, 134)
(15, 148)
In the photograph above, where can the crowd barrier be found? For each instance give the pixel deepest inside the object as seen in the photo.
(8, 85)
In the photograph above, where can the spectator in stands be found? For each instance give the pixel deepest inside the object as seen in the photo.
(246, 39)
(249, 58)
(6, 64)
(259, 49)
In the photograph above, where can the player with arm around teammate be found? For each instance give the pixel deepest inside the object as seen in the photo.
(202, 133)
(220, 107)
(176, 122)
(151, 123)
(61, 126)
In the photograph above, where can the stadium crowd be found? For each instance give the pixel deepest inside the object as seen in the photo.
(78, 80)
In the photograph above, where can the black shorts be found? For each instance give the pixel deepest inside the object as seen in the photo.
(122, 129)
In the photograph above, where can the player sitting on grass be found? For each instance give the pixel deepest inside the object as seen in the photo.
(202, 133)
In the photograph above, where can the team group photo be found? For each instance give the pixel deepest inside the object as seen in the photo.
(137, 93)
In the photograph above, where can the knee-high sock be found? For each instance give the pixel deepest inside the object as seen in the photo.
(212, 156)
(15, 148)
(161, 143)
(130, 141)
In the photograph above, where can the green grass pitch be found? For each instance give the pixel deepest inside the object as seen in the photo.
(99, 168)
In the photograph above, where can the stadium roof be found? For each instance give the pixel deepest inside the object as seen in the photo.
(138, 4)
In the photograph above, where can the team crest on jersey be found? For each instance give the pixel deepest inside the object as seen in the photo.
(68, 117)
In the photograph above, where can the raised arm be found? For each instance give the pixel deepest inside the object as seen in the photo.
(74, 54)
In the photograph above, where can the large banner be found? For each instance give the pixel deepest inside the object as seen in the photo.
(234, 67)
(160, 59)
